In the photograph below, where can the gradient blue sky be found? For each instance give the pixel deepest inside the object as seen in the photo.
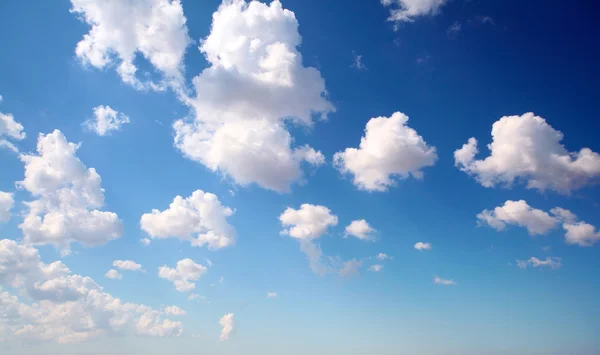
(509, 58)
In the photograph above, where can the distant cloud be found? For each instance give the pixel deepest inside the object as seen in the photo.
(357, 61)
(183, 275)
(376, 268)
(6, 204)
(549, 262)
(439, 281)
(409, 10)
(382, 256)
(423, 246)
(272, 294)
(127, 265)
(145, 241)
(174, 311)
(227, 323)
(360, 229)
(113, 274)
(106, 120)
(454, 29)
(350, 267)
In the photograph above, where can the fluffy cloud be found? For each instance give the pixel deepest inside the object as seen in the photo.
(539, 222)
(272, 294)
(376, 268)
(6, 203)
(145, 241)
(10, 128)
(68, 198)
(382, 256)
(174, 311)
(127, 265)
(113, 274)
(308, 223)
(120, 30)
(388, 150)
(255, 84)
(439, 281)
(423, 246)
(200, 219)
(360, 229)
(528, 149)
(408, 10)
(184, 273)
(106, 120)
(66, 308)
(228, 324)
(549, 262)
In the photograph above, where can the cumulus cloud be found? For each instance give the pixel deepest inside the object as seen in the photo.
(382, 256)
(227, 323)
(272, 294)
(376, 268)
(389, 150)
(439, 281)
(539, 222)
(183, 275)
(127, 265)
(106, 120)
(120, 30)
(66, 308)
(174, 311)
(526, 148)
(408, 10)
(113, 274)
(67, 196)
(423, 246)
(10, 128)
(6, 203)
(360, 229)
(255, 84)
(200, 219)
(549, 262)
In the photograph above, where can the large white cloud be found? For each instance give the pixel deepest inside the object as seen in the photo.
(539, 222)
(120, 30)
(6, 203)
(254, 85)
(526, 148)
(227, 323)
(408, 10)
(64, 307)
(68, 197)
(106, 120)
(200, 219)
(183, 275)
(388, 150)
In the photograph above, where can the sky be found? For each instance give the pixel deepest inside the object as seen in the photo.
(207, 177)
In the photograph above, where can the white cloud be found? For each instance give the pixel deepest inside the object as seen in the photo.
(423, 246)
(360, 229)
(8, 145)
(255, 84)
(68, 197)
(526, 148)
(228, 324)
(518, 213)
(184, 273)
(6, 204)
(193, 296)
(388, 150)
(408, 10)
(127, 265)
(272, 294)
(308, 223)
(454, 29)
(439, 281)
(106, 120)
(581, 233)
(357, 61)
(200, 219)
(120, 30)
(382, 256)
(350, 267)
(10, 128)
(145, 241)
(66, 308)
(376, 268)
(174, 311)
(113, 274)
(549, 262)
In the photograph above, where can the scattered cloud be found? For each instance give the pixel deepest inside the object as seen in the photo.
(376, 268)
(145, 241)
(174, 311)
(454, 29)
(11, 128)
(350, 267)
(549, 262)
(526, 148)
(382, 256)
(308, 223)
(183, 275)
(272, 294)
(105, 121)
(127, 265)
(113, 274)
(389, 149)
(409, 10)
(227, 323)
(200, 219)
(439, 281)
(423, 246)
(360, 229)
(357, 61)
(6, 204)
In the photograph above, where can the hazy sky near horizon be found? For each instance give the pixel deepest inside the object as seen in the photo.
(232, 177)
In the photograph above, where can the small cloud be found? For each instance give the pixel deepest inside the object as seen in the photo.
(232, 193)
(113, 274)
(174, 311)
(485, 20)
(106, 120)
(350, 268)
(376, 268)
(272, 294)
(424, 59)
(357, 62)
(209, 262)
(549, 262)
(439, 281)
(220, 282)
(145, 241)
(546, 249)
(360, 229)
(454, 29)
(382, 256)
(423, 246)
(227, 323)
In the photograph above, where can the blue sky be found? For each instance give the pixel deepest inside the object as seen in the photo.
(231, 105)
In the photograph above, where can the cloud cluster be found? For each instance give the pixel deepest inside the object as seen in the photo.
(106, 120)
(528, 149)
(200, 219)
(408, 10)
(65, 307)
(67, 196)
(388, 150)
(537, 222)
(183, 275)
(255, 84)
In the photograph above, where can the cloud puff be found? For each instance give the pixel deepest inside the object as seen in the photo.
(423, 246)
(113, 274)
(67, 308)
(308, 223)
(376, 268)
(227, 323)
(120, 30)
(6, 203)
(68, 197)
(255, 84)
(106, 120)
(200, 219)
(439, 281)
(528, 149)
(174, 311)
(388, 150)
(184, 273)
(549, 262)
(360, 229)
(127, 265)
(272, 294)
(408, 10)
(382, 256)
(10, 128)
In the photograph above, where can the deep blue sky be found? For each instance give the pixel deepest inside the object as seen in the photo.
(536, 56)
